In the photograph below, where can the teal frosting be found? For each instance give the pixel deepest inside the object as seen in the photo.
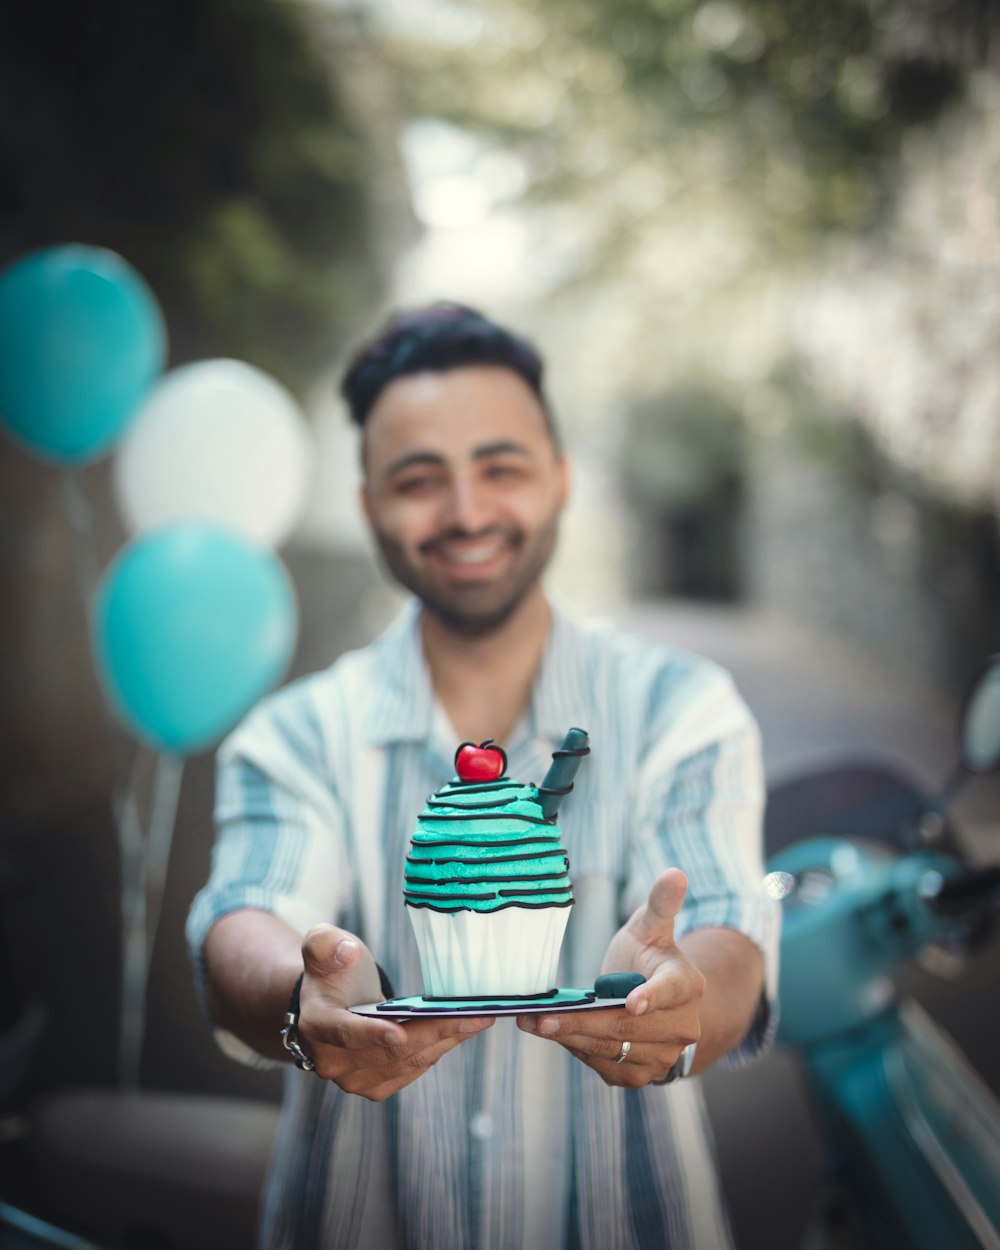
(484, 846)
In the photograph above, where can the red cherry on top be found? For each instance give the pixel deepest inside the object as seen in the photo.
(485, 762)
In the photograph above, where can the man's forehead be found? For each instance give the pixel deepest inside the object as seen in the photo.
(454, 413)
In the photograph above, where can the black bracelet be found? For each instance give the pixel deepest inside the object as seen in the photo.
(289, 1034)
(383, 980)
(293, 1002)
(385, 983)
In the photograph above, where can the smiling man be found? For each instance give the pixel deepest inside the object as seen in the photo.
(466, 516)
(464, 487)
(570, 1130)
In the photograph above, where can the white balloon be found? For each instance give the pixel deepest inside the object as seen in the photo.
(216, 441)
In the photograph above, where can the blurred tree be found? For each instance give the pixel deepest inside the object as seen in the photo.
(904, 330)
(721, 182)
(212, 143)
(242, 157)
(797, 106)
(716, 187)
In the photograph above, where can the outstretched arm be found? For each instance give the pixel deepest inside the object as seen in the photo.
(733, 968)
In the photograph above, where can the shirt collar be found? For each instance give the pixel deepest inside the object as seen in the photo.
(402, 704)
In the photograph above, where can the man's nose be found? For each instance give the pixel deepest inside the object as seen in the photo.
(467, 506)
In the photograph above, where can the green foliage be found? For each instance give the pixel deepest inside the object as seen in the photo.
(207, 142)
(804, 104)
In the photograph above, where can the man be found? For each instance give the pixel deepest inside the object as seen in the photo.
(471, 1132)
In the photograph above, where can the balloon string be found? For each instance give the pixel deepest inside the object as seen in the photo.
(145, 854)
(80, 513)
(162, 821)
(134, 939)
(145, 859)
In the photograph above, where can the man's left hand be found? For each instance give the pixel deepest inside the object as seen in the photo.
(660, 1017)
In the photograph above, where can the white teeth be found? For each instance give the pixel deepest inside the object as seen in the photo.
(472, 555)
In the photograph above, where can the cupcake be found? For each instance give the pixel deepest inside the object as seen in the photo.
(486, 880)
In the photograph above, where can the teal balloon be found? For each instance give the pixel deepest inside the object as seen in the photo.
(190, 625)
(82, 339)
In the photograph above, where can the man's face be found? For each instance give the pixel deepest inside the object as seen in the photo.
(463, 490)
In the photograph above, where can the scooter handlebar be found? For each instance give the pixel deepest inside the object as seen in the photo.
(970, 891)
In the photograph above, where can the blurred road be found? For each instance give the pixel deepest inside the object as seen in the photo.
(820, 703)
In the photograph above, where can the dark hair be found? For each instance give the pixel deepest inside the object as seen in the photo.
(435, 338)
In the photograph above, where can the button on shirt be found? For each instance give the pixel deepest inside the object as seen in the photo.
(508, 1143)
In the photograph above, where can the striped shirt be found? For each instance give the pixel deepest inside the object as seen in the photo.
(508, 1143)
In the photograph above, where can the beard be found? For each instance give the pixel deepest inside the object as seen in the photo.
(474, 610)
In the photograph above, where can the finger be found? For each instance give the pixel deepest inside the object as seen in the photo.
(328, 952)
(393, 1041)
(344, 1029)
(450, 1034)
(380, 1083)
(656, 1029)
(336, 978)
(627, 1074)
(656, 1056)
(382, 1071)
(421, 1034)
(652, 924)
(610, 1028)
(339, 967)
(673, 983)
(610, 1023)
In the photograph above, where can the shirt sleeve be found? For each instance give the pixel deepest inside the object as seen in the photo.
(279, 834)
(701, 802)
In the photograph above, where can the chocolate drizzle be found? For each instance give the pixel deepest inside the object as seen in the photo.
(492, 859)
(435, 818)
(460, 787)
(421, 839)
(432, 802)
(477, 898)
(413, 879)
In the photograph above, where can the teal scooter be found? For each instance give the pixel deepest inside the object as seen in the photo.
(912, 1132)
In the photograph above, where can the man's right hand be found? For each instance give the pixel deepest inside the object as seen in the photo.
(373, 1058)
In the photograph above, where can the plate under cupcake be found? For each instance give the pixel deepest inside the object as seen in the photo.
(609, 991)
(496, 1005)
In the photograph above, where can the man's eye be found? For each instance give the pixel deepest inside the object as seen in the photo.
(415, 485)
(503, 471)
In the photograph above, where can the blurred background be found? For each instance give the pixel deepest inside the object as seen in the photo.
(759, 245)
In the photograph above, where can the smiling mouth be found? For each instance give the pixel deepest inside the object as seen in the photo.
(474, 553)
(460, 552)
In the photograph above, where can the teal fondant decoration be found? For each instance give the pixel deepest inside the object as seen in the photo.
(486, 846)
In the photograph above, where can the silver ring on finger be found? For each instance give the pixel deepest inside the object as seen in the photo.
(623, 1053)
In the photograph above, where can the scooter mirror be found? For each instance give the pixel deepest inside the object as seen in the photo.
(980, 741)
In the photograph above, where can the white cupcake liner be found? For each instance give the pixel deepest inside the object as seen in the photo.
(508, 953)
